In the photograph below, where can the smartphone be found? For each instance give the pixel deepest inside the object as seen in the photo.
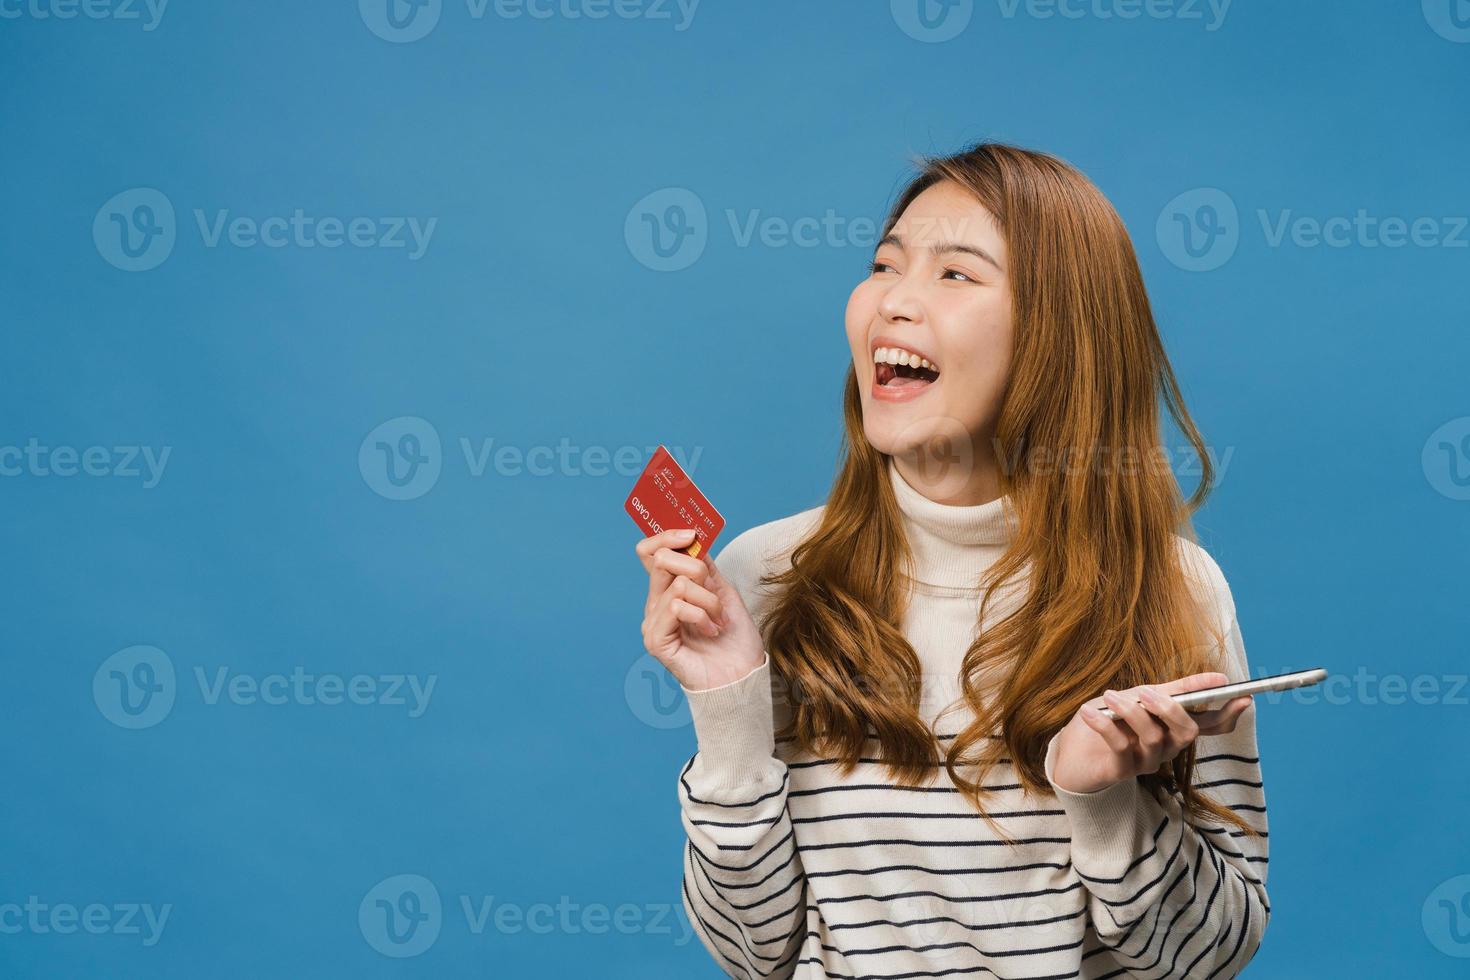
(1217, 697)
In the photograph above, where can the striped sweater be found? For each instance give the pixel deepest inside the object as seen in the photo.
(792, 870)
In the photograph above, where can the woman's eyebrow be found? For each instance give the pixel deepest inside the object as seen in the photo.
(939, 248)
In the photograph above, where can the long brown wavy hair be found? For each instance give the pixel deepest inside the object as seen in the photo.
(1107, 601)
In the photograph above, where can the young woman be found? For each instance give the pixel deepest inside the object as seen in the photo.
(1005, 550)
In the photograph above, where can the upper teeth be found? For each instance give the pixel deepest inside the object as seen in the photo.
(896, 355)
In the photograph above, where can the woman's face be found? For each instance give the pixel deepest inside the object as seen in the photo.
(938, 291)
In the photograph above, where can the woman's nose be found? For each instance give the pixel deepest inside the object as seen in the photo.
(901, 302)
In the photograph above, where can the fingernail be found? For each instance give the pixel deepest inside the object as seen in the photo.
(685, 532)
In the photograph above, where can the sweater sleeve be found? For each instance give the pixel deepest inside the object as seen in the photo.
(744, 890)
(1170, 897)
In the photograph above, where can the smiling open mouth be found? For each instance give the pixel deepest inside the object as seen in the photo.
(898, 368)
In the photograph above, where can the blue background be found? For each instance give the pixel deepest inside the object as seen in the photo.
(543, 770)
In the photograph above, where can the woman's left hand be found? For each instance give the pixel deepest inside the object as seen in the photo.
(1093, 752)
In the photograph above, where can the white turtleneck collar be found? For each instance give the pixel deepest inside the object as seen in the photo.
(952, 544)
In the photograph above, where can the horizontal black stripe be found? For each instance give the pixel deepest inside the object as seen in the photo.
(941, 871)
(957, 899)
(846, 787)
(898, 815)
(1222, 849)
(690, 792)
(872, 736)
(879, 842)
(879, 950)
(1229, 782)
(736, 823)
(872, 761)
(1231, 833)
(835, 926)
(928, 973)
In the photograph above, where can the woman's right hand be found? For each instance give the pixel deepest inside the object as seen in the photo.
(694, 622)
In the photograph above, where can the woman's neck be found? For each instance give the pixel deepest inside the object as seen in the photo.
(952, 544)
(953, 479)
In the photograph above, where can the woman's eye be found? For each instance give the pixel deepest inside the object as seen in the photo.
(878, 267)
(957, 272)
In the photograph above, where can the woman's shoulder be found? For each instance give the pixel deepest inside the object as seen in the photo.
(764, 549)
(1205, 573)
(1213, 589)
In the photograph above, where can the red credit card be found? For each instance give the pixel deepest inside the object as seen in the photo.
(665, 498)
